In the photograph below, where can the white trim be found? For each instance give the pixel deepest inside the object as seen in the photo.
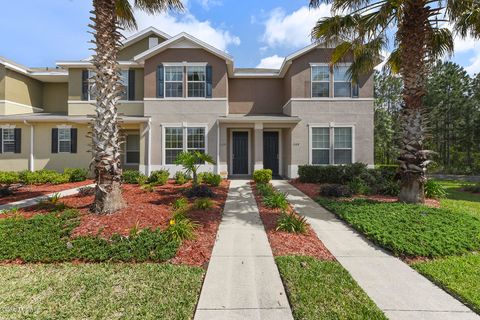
(126, 150)
(218, 147)
(184, 64)
(280, 149)
(343, 64)
(64, 126)
(330, 75)
(7, 126)
(327, 99)
(31, 158)
(204, 82)
(176, 81)
(149, 148)
(95, 101)
(182, 99)
(331, 127)
(140, 35)
(38, 109)
(86, 64)
(249, 139)
(184, 126)
(69, 129)
(256, 75)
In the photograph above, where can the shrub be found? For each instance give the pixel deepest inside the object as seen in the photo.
(76, 174)
(203, 204)
(43, 176)
(9, 177)
(181, 177)
(212, 179)
(290, 222)
(159, 177)
(86, 191)
(180, 203)
(262, 176)
(181, 229)
(191, 162)
(200, 191)
(335, 190)
(276, 200)
(265, 189)
(52, 203)
(433, 189)
(359, 186)
(148, 187)
(132, 176)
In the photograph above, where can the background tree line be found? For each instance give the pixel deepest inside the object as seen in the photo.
(452, 104)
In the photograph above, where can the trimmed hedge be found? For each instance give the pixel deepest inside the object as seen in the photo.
(43, 176)
(262, 176)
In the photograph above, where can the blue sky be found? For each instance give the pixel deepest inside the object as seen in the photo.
(258, 33)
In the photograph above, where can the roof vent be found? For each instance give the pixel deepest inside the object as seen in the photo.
(152, 42)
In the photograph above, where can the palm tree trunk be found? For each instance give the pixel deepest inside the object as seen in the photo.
(105, 128)
(412, 158)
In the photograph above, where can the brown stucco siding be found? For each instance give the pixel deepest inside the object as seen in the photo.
(138, 47)
(20, 88)
(219, 68)
(55, 96)
(255, 96)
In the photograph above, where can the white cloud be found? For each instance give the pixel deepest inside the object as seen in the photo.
(472, 47)
(207, 4)
(173, 25)
(272, 62)
(292, 30)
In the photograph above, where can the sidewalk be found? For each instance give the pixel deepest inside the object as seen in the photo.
(242, 280)
(398, 290)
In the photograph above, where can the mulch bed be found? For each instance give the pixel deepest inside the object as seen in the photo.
(286, 243)
(32, 191)
(149, 210)
(313, 191)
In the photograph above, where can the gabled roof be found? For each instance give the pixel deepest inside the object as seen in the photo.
(144, 33)
(41, 74)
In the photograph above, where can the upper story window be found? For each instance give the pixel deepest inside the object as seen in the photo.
(320, 81)
(196, 76)
(8, 137)
(342, 85)
(173, 81)
(89, 85)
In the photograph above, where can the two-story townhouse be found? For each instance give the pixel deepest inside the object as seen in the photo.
(183, 94)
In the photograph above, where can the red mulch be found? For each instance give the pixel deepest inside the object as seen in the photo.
(32, 191)
(312, 190)
(149, 210)
(285, 243)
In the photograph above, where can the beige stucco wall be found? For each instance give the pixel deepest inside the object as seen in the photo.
(22, 89)
(2, 82)
(55, 96)
(17, 161)
(138, 47)
(255, 95)
(127, 108)
(219, 69)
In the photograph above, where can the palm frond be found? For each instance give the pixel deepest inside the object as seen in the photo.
(440, 43)
(125, 14)
(125, 10)
(465, 15)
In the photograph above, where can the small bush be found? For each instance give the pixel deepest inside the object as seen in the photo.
(276, 200)
(180, 203)
(76, 174)
(290, 222)
(52, 203)
(148, 187)
(265, 189)
(359, 186)
(43, 177)
(212, 179)
(203, 204)
(262, 176)
(86, 191)
(159, 177)
(335, 190)
(181, 229)
(132, 176)
(9, 177)
(434, 190)
(200, 191)
(181, 177)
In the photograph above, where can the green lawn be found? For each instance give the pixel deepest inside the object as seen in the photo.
(460, 201)
(324, 290)
(459, 275)
(99, 291)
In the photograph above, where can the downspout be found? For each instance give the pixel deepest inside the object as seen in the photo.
(218, 147)
(148, 131)
(31, 159)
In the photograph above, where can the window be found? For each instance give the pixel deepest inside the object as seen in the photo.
(173, 81)
(342, 145)
(132, 149)
(331, 145)
(124, 84)
(196, 77)
(320, 145)
(64, 140)
(196, 139)
(342, 85)
(8, 138)
(91, 85)
(320, 81)
(173, 144)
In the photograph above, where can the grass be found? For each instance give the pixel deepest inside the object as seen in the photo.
(458, 200)
(458, 275)
(410, 230)
(324, 290)
(99, 291)
(46, 238)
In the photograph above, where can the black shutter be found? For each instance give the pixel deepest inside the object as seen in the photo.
(160, 81)
(18, 140)
(84, 85)
(1, 140)
(208, 78)
(131, 84)
(54, 140)
(355, 90)
(73, 142)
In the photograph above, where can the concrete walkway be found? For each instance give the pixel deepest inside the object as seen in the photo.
(33, 201)
(398, 290)
(242, 280)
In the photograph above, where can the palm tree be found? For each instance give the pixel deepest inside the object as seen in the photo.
(418, 33)
(109, 16)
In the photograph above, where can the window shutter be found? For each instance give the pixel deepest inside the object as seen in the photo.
(355, 90)
(54, 140)
(1, 140)
(73, 142)
(131, 84)
(18, 140)
(160, 81)
(84, 85)
(208, 79)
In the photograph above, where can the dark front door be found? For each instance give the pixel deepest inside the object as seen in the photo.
(270, 151)
(240, 152)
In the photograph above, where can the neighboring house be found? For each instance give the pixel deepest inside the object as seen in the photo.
(182, 94)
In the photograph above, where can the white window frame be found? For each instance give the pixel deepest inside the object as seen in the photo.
(127, 150)
(313, 65)
(333, 143)
(184, 127)
(91, 74)
(331, 127)
(329, 145)
(204, 82)
(9, 140)
(334, 81)
(165, 66)
(69, 140)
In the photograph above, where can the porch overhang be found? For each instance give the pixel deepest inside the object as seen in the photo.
(52, 117)
(245, 118)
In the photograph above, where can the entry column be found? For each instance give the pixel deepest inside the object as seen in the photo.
(258, 146)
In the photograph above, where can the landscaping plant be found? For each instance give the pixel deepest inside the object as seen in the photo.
(132, 176)
(434, 190)
(265, 189)
(181, 178)
(335, 190)
(181, 229)
(211, 179)
(191, 162)
(158, 177)
(180, 203)
(76, 174)
(203, 204)
(262, 176)
(276, 200)
(290, 222)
